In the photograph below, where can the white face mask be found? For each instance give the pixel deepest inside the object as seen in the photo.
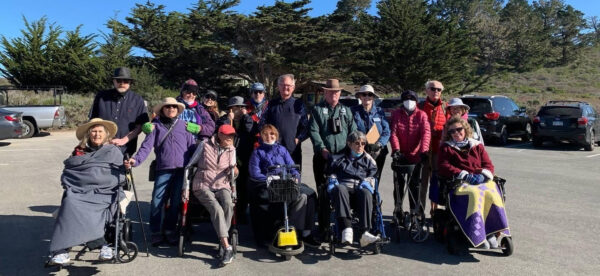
(410, 105)
(269, 143)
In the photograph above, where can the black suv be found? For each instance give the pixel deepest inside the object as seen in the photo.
(499, 117)
(566, 121)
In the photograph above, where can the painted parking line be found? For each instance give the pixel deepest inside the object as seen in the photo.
(593, 155)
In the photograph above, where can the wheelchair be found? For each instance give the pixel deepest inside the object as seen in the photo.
(414, 221)
(334, 231)
(446, 228)
(282, 188)
(192, 212)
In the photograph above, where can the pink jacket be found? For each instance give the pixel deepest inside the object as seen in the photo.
(410, 134)
(214, 171)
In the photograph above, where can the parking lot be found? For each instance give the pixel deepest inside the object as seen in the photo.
(552, 205)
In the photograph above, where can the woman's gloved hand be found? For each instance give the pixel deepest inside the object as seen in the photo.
(366, 185)
(192, 128)
(147, 127)
(474, 179)
(332, 183)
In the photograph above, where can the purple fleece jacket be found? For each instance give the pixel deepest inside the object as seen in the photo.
(175, 151)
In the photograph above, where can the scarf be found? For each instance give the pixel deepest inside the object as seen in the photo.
(167, 122)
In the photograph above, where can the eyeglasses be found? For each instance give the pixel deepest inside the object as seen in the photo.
(170, 106)
(435, 89)
(257, 91)
(458, 129)
(210, 97)
(188, 92)
(360, 143)
(123, 81)
(367, 95)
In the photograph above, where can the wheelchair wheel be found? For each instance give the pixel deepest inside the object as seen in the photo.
(234, 240)
(419, 228)
(127, 230)
(377, 248)
(507, 246)
(127, 253)
(181, 247)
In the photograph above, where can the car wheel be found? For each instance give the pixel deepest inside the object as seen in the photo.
(503, 139)
(527, 136)
(591, 144)
(28, 129)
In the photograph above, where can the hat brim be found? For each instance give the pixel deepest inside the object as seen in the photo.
(360, 92)
(108, 125)
(462, 105)
(331, 89)
(158, 107)
(122, 78)
(232, 105)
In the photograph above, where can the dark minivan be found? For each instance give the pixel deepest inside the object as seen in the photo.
(499, 117)
(566, 121)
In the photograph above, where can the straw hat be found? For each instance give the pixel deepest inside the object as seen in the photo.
(108, 125)
(332, 85)
(169, 101)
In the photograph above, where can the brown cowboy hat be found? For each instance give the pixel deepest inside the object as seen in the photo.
(332, 85)
(108, 125)
(169, 101)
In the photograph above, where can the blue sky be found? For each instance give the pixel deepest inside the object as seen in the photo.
(94, 14)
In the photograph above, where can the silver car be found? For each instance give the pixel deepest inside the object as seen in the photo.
(11, 124)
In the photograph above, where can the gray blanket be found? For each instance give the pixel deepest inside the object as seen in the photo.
(91, 184)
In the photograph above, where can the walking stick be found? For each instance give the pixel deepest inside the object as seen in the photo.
(137, 203)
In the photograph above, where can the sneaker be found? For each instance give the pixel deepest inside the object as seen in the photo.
(347, 236)
(106, 253)
(368, 238)
(60, 259)
(493, 242)
(310, 241)
(228, 256)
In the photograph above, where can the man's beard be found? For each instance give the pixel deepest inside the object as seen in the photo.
(121, 90)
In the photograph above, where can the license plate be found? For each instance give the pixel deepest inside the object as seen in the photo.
(557, 123)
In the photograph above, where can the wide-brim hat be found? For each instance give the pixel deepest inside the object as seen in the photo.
(457, 102)
(366, 89)
(122, 73)
(108, 125)
(169, 101)
(236, 101)
(332, 85)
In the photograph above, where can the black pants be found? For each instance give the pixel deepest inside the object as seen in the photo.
(297, 155)
(380, 161)
(400, 185)
(242, 194)
(319, 170)
(342, 197)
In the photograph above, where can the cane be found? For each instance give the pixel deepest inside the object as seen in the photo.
(137, 203)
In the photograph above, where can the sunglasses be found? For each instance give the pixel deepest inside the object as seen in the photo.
(171, 106)
(367, 95)
(257, 91)
(210, 97)
(458, 129)
(435, 89)
(123, 81)
(360, 143)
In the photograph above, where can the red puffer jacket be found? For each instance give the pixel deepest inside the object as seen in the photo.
(436, 114)
(410, 133)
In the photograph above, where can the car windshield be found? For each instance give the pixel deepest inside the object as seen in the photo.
(560, 111)
(478, 106)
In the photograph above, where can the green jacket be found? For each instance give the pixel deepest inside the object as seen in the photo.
(320, 130)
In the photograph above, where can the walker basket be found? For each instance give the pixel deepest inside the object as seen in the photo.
(283, 190)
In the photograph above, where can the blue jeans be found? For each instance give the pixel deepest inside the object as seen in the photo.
(167, 186)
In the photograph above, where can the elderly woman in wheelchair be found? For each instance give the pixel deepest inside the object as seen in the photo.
(475, 201)
(352, 179)
(91, 181)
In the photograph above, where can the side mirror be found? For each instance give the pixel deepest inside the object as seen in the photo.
(522, 109)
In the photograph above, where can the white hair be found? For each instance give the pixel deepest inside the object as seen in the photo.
(430, 82)
(284, 76)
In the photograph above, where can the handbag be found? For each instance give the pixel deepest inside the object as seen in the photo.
(152, 169)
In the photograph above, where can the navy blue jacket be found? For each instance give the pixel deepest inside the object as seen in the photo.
(127, 110)
(364, 121)
(345, 167)
(290, 119)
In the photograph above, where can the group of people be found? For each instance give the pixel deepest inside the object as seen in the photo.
(350, 148)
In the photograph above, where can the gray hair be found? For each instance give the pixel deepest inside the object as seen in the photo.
(286, 76)
(356, 136)
(86, 138)
(429, 83)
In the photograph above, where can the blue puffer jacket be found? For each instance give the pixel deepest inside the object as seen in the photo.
(269, 155)
(364, 121)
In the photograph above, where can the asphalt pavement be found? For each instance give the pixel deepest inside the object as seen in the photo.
(552, 206)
